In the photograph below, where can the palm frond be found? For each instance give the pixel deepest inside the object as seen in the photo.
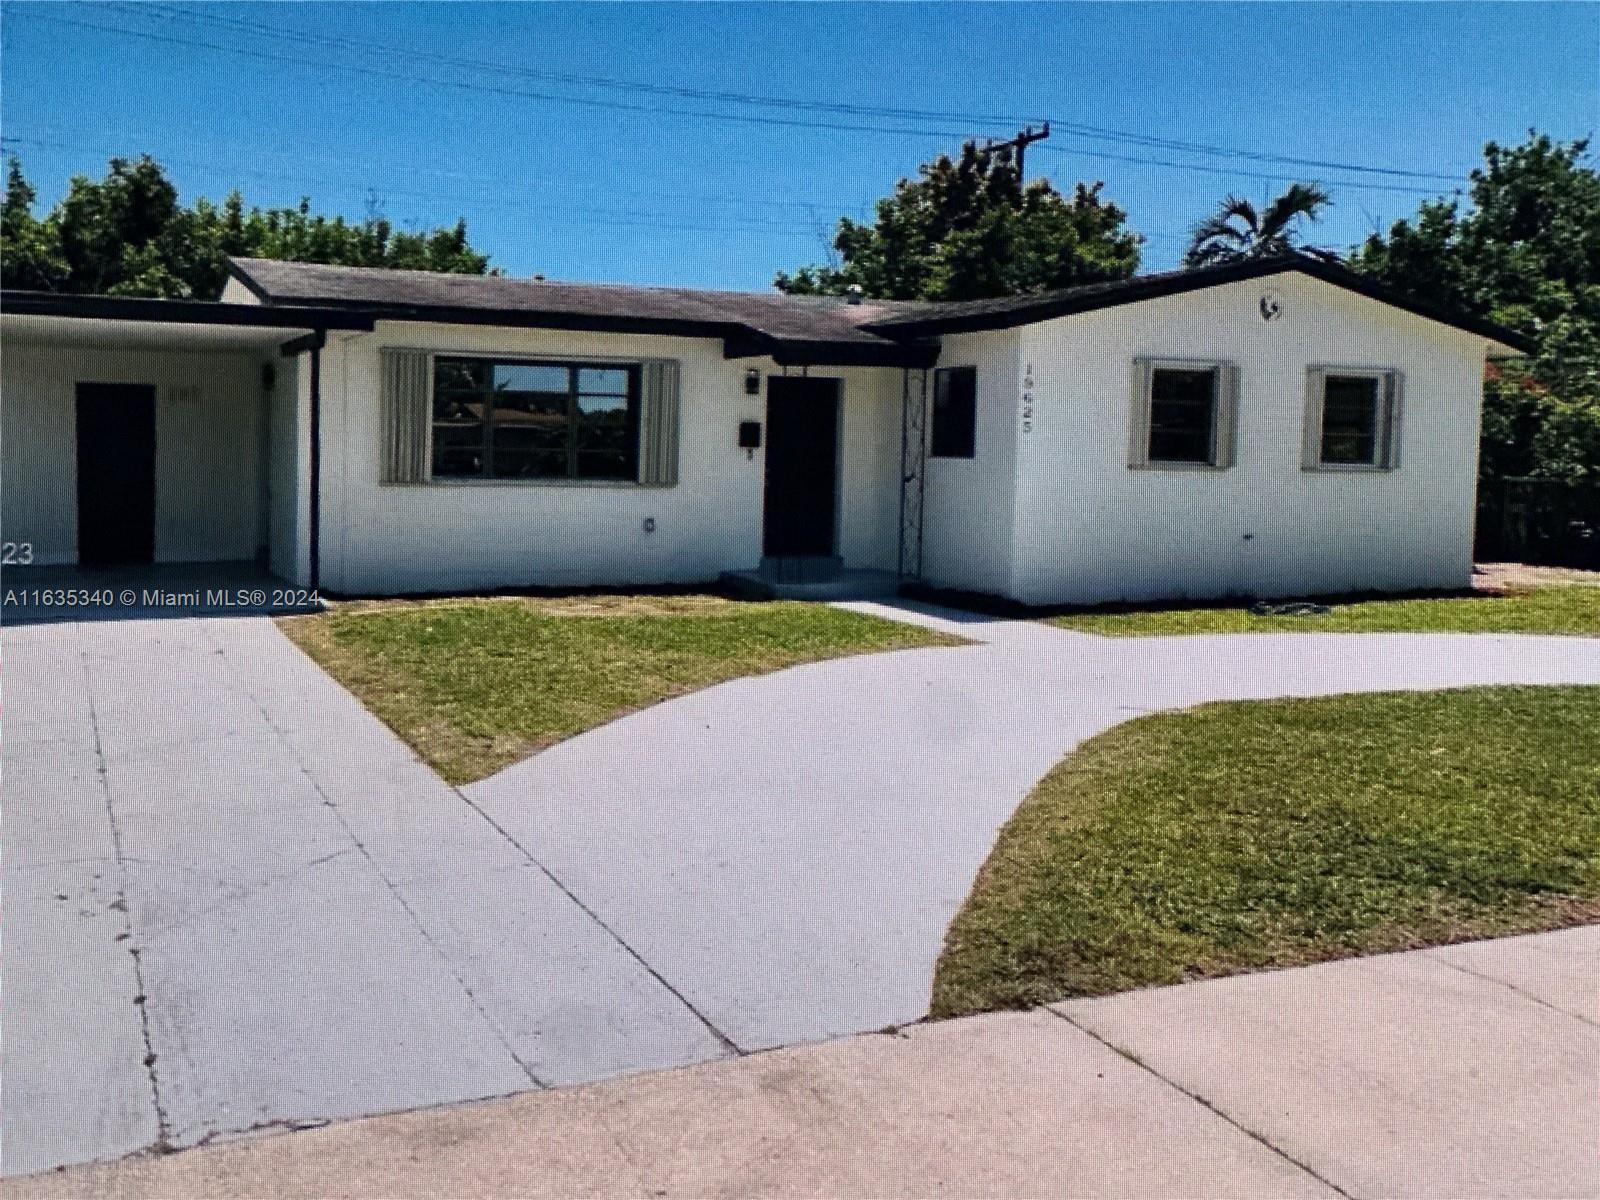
(1298, 200)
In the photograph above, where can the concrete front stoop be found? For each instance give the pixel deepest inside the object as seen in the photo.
(811, 578)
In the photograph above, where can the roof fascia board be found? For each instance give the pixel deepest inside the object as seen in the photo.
(244, 277)
(1177, 284)
(179, 312)
(788, 352)
(435, 314)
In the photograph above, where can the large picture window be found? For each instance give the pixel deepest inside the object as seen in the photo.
(535, 420)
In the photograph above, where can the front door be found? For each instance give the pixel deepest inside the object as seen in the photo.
(116, 473)
(802, 466)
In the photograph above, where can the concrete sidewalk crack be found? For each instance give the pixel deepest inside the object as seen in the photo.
(389, 884)
(163, 1142)
(1524, 993)
(1200, 1100)
(726, 1042)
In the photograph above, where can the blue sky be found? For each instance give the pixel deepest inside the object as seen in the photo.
(288, 100)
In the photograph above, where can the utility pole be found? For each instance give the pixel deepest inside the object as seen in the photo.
(1020, 143)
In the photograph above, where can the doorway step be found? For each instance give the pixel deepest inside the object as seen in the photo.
(810, 577)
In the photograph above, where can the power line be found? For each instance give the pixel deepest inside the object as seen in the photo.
(48, 137)
(518, 93)
(582, 213)
(1082, 130)
(746, 98)
(1232, 172)
(578, 214)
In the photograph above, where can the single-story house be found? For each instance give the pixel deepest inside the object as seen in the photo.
(1272, 427)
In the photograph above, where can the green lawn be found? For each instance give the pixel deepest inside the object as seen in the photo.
(1566, 610)
(476, 685)
(1239, 836)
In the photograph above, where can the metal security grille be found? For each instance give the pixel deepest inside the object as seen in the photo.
(913, 466)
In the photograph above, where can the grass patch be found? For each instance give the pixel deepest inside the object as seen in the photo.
(1240, 836)
(1573, 609)
(476, 685)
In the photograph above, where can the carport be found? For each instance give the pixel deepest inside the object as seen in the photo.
(143, 432)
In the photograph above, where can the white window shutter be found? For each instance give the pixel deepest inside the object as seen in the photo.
(1226, 439)
(1392, 398)
(406, 421)
(1311, 449)
(1139, 418)
(658, 423)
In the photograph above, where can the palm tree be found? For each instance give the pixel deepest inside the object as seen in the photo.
(1237, 231)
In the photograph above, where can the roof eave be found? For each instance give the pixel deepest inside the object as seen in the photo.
(794, 352)
(179, 312)
(248, 280)
(513, 318)
(1509, 342)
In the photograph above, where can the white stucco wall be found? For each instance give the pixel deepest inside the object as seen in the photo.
(287, 477)
(462, 535)
(1089, 529)
(208, 448)
(967, 535)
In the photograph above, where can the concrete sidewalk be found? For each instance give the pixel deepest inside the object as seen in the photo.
(1460, 1072)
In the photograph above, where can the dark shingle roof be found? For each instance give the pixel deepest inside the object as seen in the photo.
(820, 329)
(802, 320)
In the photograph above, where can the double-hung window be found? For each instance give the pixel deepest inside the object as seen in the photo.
(531, 420)
(1352, 419)
(1184, 414)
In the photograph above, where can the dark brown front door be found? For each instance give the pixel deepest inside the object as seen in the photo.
(802, 465)
(116, 473)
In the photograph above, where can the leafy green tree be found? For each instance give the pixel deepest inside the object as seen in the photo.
(128, 235)
(1525, 253)
(30, 250)
(1237, 230)
(967, 228)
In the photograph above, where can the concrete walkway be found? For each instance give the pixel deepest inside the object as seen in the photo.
(1462, 1072)
(789, 850)
(235, 901)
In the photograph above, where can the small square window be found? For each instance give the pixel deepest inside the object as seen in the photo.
(1185, 414)
(955, 412)
(1352, 419)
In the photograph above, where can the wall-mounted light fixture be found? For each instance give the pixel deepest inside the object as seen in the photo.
(749, 437)
(752, 382)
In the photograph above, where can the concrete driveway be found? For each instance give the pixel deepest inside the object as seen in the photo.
(234, 900)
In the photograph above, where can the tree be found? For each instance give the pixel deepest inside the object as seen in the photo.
(967, 228)
(1526, 253)
(30, 250)
(129, 235)
(1237, 231)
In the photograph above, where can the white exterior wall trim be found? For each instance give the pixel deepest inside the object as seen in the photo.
(462, 535)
